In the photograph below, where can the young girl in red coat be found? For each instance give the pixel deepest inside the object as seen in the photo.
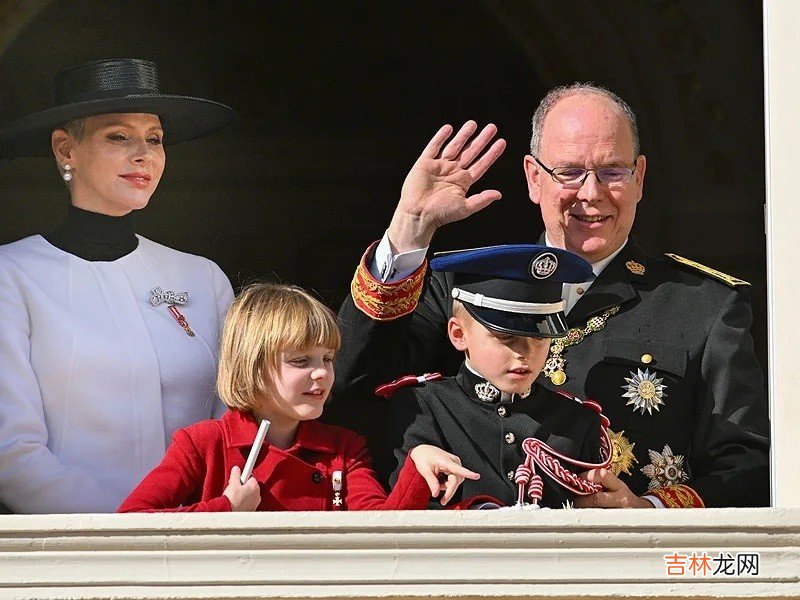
(276, 363)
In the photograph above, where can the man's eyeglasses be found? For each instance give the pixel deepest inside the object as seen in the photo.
(574, 177)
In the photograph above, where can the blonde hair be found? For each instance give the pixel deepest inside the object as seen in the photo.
(75, 127)
(459, 310)
(263, 321)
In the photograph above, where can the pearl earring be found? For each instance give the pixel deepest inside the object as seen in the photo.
(67, 175)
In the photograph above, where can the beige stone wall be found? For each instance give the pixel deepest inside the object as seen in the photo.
(782, 17)
(471, 554)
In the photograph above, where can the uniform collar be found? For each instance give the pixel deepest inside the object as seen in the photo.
(479, 389)
(597, 267)
(616, 284)
(240, 428)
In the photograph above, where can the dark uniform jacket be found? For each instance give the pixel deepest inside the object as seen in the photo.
(487, 436)
(710, 431)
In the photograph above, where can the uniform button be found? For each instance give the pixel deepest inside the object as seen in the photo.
(316, 477)
(647, 359)
(501, 410)
(580, 291)
(510, 475)
(510, 438)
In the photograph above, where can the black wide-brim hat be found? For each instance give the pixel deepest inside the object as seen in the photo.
(515, 288)
(113, 86)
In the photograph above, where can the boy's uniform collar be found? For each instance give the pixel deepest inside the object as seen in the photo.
(479, 389)
(240, 428)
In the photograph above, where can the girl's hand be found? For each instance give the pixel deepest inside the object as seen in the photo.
(433, 463)
(244, 497)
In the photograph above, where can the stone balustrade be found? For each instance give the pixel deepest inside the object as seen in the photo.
(471, 554)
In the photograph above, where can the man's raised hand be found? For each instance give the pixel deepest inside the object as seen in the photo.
(436, 188)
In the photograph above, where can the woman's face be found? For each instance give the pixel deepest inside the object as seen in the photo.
(116, 164)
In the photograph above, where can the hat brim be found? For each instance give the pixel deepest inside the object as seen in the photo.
(552, 325)
(182, 117)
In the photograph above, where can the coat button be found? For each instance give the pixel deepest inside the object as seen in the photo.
(316, 477)
(510, 475)
(501, 410)
(647, 359)
(510, 438)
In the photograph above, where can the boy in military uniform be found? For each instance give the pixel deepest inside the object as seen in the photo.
(506, 308)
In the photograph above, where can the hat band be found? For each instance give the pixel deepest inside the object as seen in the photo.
(525, 308)
(118, 93)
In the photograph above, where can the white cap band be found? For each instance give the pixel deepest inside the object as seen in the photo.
(525, 308)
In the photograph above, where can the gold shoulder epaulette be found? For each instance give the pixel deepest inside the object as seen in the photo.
(718, 275)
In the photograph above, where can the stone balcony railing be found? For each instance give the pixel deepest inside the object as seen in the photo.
(488, 554)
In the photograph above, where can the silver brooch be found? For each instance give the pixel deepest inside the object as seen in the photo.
(157, 296)
(486, 391)
(544, 265)
(645, 391)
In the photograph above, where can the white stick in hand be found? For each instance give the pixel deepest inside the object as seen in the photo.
(251, 459)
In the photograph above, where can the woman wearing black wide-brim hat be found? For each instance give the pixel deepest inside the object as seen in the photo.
(108, 340)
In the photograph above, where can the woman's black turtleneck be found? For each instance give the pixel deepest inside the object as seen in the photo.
(95, 237)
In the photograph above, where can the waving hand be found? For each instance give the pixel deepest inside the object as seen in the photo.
(436, 190)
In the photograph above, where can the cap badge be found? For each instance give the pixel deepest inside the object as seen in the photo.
(486, 391)
(645, 391)
(635, 267)
(544, 265)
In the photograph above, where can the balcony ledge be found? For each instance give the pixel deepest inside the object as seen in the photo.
(541, 554)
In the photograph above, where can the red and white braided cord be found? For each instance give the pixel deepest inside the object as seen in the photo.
(549, 459)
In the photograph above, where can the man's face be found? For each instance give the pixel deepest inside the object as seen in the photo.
(592, 220)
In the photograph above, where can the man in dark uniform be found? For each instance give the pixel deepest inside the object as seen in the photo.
(662, 343)
(506, 309)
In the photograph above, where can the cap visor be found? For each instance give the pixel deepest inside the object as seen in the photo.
(548, 326)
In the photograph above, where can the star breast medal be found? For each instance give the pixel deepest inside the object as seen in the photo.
(645, 391)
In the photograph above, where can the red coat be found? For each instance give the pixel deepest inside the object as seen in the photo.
(195, 470)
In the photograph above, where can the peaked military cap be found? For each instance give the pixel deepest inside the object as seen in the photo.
(516, 288)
